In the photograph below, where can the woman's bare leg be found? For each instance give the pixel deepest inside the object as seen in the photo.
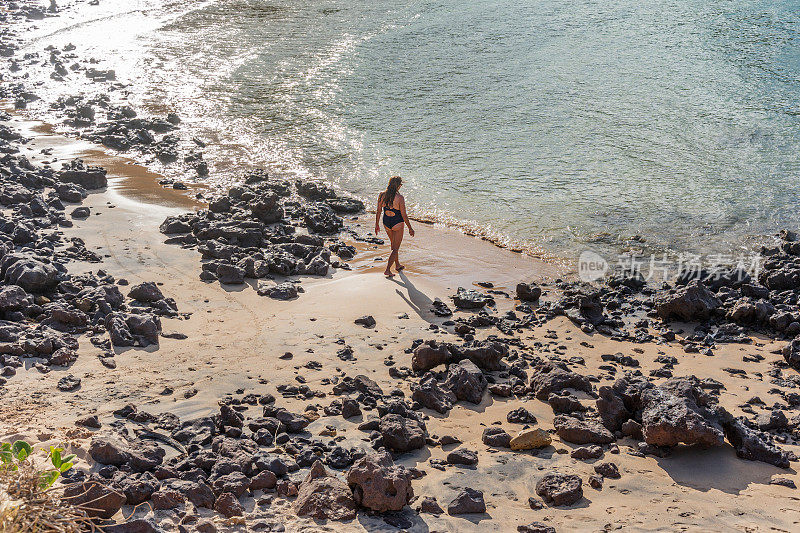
(393, 255)
(398, 240)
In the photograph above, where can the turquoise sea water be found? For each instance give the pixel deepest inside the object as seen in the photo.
(552, 124)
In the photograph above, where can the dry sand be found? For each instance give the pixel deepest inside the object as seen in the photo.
(234, 338)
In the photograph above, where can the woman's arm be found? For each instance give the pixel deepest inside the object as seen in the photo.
(405, 216)
(378, 215)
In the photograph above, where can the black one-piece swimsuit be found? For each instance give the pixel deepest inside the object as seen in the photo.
(392, 220)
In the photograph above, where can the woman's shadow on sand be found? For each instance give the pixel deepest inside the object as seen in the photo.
(416, 299)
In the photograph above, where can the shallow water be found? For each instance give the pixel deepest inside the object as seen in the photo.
(551, 126)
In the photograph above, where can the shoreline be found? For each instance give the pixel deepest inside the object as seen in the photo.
(608, 244)
(630, 407)
(144, 185)
(132, 180)
(529, 245)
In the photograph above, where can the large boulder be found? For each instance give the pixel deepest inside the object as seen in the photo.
(200, 431)
(324, 497)
(320, 218)
(345, 205)
(520, 415)
(496, 437)
(556, 488)
(550, 377)
(630, 390)
(87, 177)
(429, 393)
(791, 353)
(267, 208)
(678, 411)
(95, 496)
(293, 422)
(530, 439)
(167, 499)
(197, 492)
(146, 292)
(787, 277)
(280, 291)
(612, 408)
(746, 311)
(114, 449)
(429, 355)
(229, 417)
(118, 330)
(137, 488)
(14, 298)
(70, 192)
(634, 281)
(32, 275)
(471, 299)
(130, 330)
(487, 355)
(174, 224)
(584, 306)
(235, 483)
(228, 505)
(60, 316)
(752, 444)
(264, 480)
(401, 434)
(314, 191)
(109, 449)
(587, 431)
(528, 292)
(230, 274)
(466, 381)
(468, 501)
(378, 484)
(368, 386)
(690, 302)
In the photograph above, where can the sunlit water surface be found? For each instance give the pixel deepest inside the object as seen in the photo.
(552, 126)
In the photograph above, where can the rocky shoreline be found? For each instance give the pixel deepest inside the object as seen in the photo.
(412, 429)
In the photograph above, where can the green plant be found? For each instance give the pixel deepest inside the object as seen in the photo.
(14, 455)
(29, 503)
(18, 451)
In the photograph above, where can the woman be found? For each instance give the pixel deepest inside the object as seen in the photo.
(393, 206)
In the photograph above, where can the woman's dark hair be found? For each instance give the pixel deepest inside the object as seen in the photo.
(391, 190)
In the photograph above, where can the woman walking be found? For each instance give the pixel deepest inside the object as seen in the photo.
(393, 205)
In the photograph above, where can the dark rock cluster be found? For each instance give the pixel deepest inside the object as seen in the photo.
(263, 228)
(252, 233)
(727, 305)
(253, 447)
(649, 413)
(101, 117)
(724, 304)
(42, 306)
(661, 415)
(680, 411)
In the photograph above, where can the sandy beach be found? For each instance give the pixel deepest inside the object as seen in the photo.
(234, 338)
(667, 408)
